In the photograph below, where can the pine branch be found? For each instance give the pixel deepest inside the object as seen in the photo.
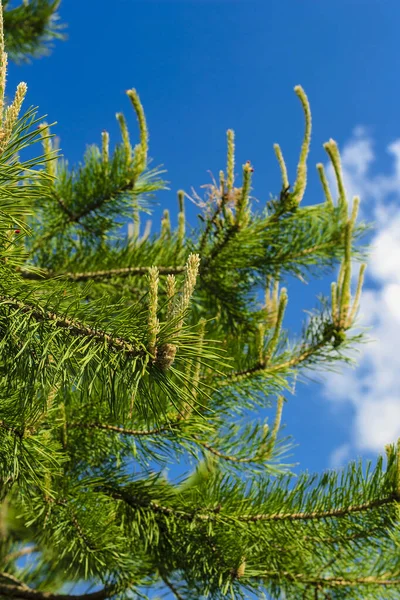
(210, 222)
(168, 429)
(137, 502)
(62, 205)
(172, 588)
(101, 274)
(265, 367)
(73, 327)
(336, 512)
(362, 535)
(216, 513)
(13, 579)
(30, 29)
(12, 429)
(75, 218)
(332, 582)
(227, 457)
(220, 245)
(80, 425)
(20, 553)
(21, 591)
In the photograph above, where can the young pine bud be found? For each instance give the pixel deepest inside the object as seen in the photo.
(191, 272)
(358, 295)
(144, 134)
(271, 300)
(181, 217)
(152, 320)
(197, 366)
(136, 222)
(325, 185)
(346, 286)
(3, 75)
(230, 168)
(12, 114)
(171, 291)
(260, 342)
(222, 182)
(125, 136)
(282, 166)
(105, 143)
(147, 229)
(277, 422)
(48, 149)
(283, 300)
(334, 303)
(243, 198)
(334, 155)
(241, 568)
(165, 225)
(301, 179)
(182, 304)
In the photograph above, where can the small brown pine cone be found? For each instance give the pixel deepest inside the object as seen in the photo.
(166, 356)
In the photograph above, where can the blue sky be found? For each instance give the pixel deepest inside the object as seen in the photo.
(203, 66)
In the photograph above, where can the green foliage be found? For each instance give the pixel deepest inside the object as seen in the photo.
(123, 352)
(30, 27)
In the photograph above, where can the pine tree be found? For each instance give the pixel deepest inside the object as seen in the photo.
(123, 351)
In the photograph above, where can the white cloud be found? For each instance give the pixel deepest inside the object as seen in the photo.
(340, 456)
(373, 388)
(385, 259)
(377, 423)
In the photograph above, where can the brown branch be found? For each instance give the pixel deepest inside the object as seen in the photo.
(287, 549)
(19, 553)
(238, 375)
(338, 581)
(73, 327)
(123, 431)
(75, 218)
(219, 246)
(333, 581)
(307, 516)
(101, 274)
(158, 431)
(310, 250)
(77, 525)
(296, 360)
(265, 367)
(24, 593)
(227, 457)
(95, 204)
(172, 588)
(135, 502)
(14, 580)
(63, 206)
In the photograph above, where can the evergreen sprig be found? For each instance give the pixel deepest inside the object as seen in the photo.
(30, 27)
(123, 351)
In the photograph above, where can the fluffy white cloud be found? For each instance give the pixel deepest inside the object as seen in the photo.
(378, 422)
(340, 456)
(373, 388)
